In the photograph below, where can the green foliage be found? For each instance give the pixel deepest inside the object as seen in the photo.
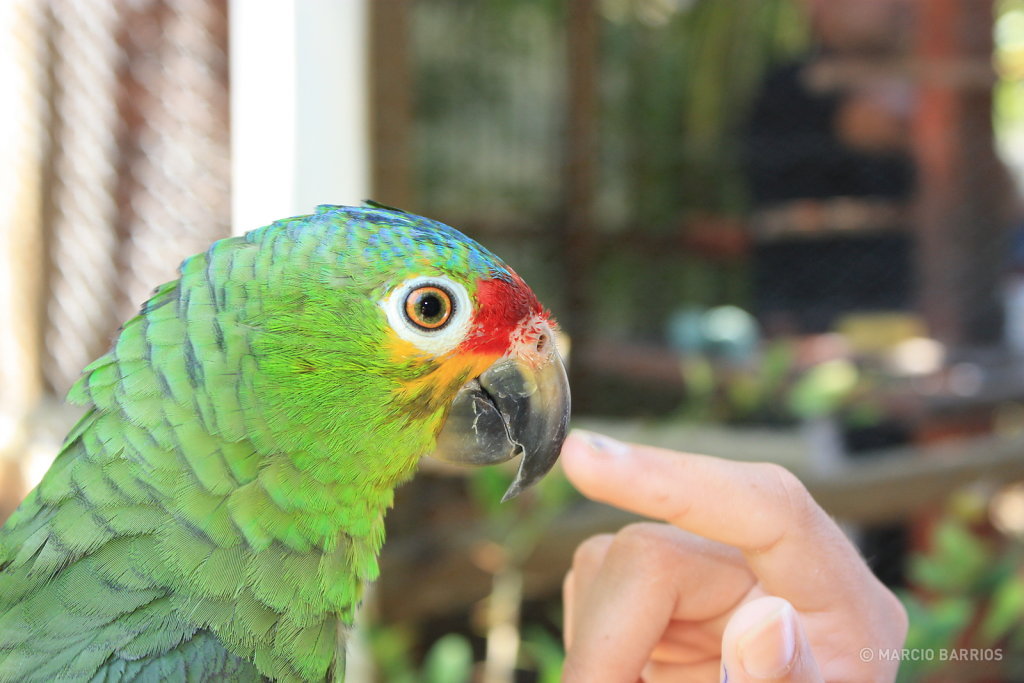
(822, 389)
(486, 487)
(450, 660)
(773, 388)
(933, 627)
(544, 653)
(1006, 610)
(1008, 94)
(391, 648)
(968, 591)
(677, 79)
(959, 562)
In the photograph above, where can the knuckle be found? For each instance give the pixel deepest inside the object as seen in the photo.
(641, 533)
(653, 541)
(898, 618)
(573, 670)
(591, 551)
(791, 506)
(788, 491)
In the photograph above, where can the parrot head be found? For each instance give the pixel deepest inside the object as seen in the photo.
(384, 336)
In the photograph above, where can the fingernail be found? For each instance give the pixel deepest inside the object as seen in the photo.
(601, 443)
(768, 649)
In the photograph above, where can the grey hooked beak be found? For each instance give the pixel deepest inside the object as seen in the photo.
(517, 406)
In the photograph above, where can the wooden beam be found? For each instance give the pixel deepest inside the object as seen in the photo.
(391, 103)
(580, 171)
(963, 190)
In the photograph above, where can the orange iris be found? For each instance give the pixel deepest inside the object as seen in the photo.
(428, 307)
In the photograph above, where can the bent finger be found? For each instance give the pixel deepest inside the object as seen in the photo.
(765, 641)
(586, 562)
(759, 508)
(652, 574)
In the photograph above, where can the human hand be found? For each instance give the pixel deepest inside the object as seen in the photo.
(749, 580)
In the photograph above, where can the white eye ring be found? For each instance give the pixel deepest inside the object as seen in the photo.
(439, 341)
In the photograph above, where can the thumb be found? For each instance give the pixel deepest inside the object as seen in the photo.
(764, 641)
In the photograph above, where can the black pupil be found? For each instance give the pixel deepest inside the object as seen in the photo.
(431, 307)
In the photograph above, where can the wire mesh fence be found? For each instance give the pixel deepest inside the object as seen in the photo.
(131, 150)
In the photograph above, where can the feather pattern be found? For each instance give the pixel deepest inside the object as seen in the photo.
(218, 509)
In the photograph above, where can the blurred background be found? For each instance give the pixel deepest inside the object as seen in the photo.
(786, 230)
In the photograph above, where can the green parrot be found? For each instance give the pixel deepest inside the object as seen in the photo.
(218, 510)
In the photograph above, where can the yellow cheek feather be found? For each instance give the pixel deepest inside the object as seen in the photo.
(434, 381)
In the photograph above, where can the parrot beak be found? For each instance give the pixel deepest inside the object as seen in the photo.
(517, 406)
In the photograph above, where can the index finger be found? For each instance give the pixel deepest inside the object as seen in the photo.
(794, 548)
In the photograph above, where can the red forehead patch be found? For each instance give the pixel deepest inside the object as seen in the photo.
(502, 305)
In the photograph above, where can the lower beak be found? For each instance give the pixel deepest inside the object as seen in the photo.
(514, 407)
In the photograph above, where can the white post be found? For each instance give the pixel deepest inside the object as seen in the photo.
(299, 107)
(299, 124)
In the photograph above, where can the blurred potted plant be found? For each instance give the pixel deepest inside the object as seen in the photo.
(966, 602)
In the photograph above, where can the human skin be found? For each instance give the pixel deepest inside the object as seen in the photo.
(745, 578)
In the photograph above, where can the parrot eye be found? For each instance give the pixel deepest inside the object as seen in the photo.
(433, 312)
(428, 307)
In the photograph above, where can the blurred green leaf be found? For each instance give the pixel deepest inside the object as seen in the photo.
(968, 506)
(863, 414)
(554, 491)
(821, 390)
(933, 626)
(700, 380)
(1005, 612)
(745, 393)
(546, 654)
(700, 376)
(777, 361)
(938, 623)
(486, 486)
(390, 647)
(450, 660)
(957, 562)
